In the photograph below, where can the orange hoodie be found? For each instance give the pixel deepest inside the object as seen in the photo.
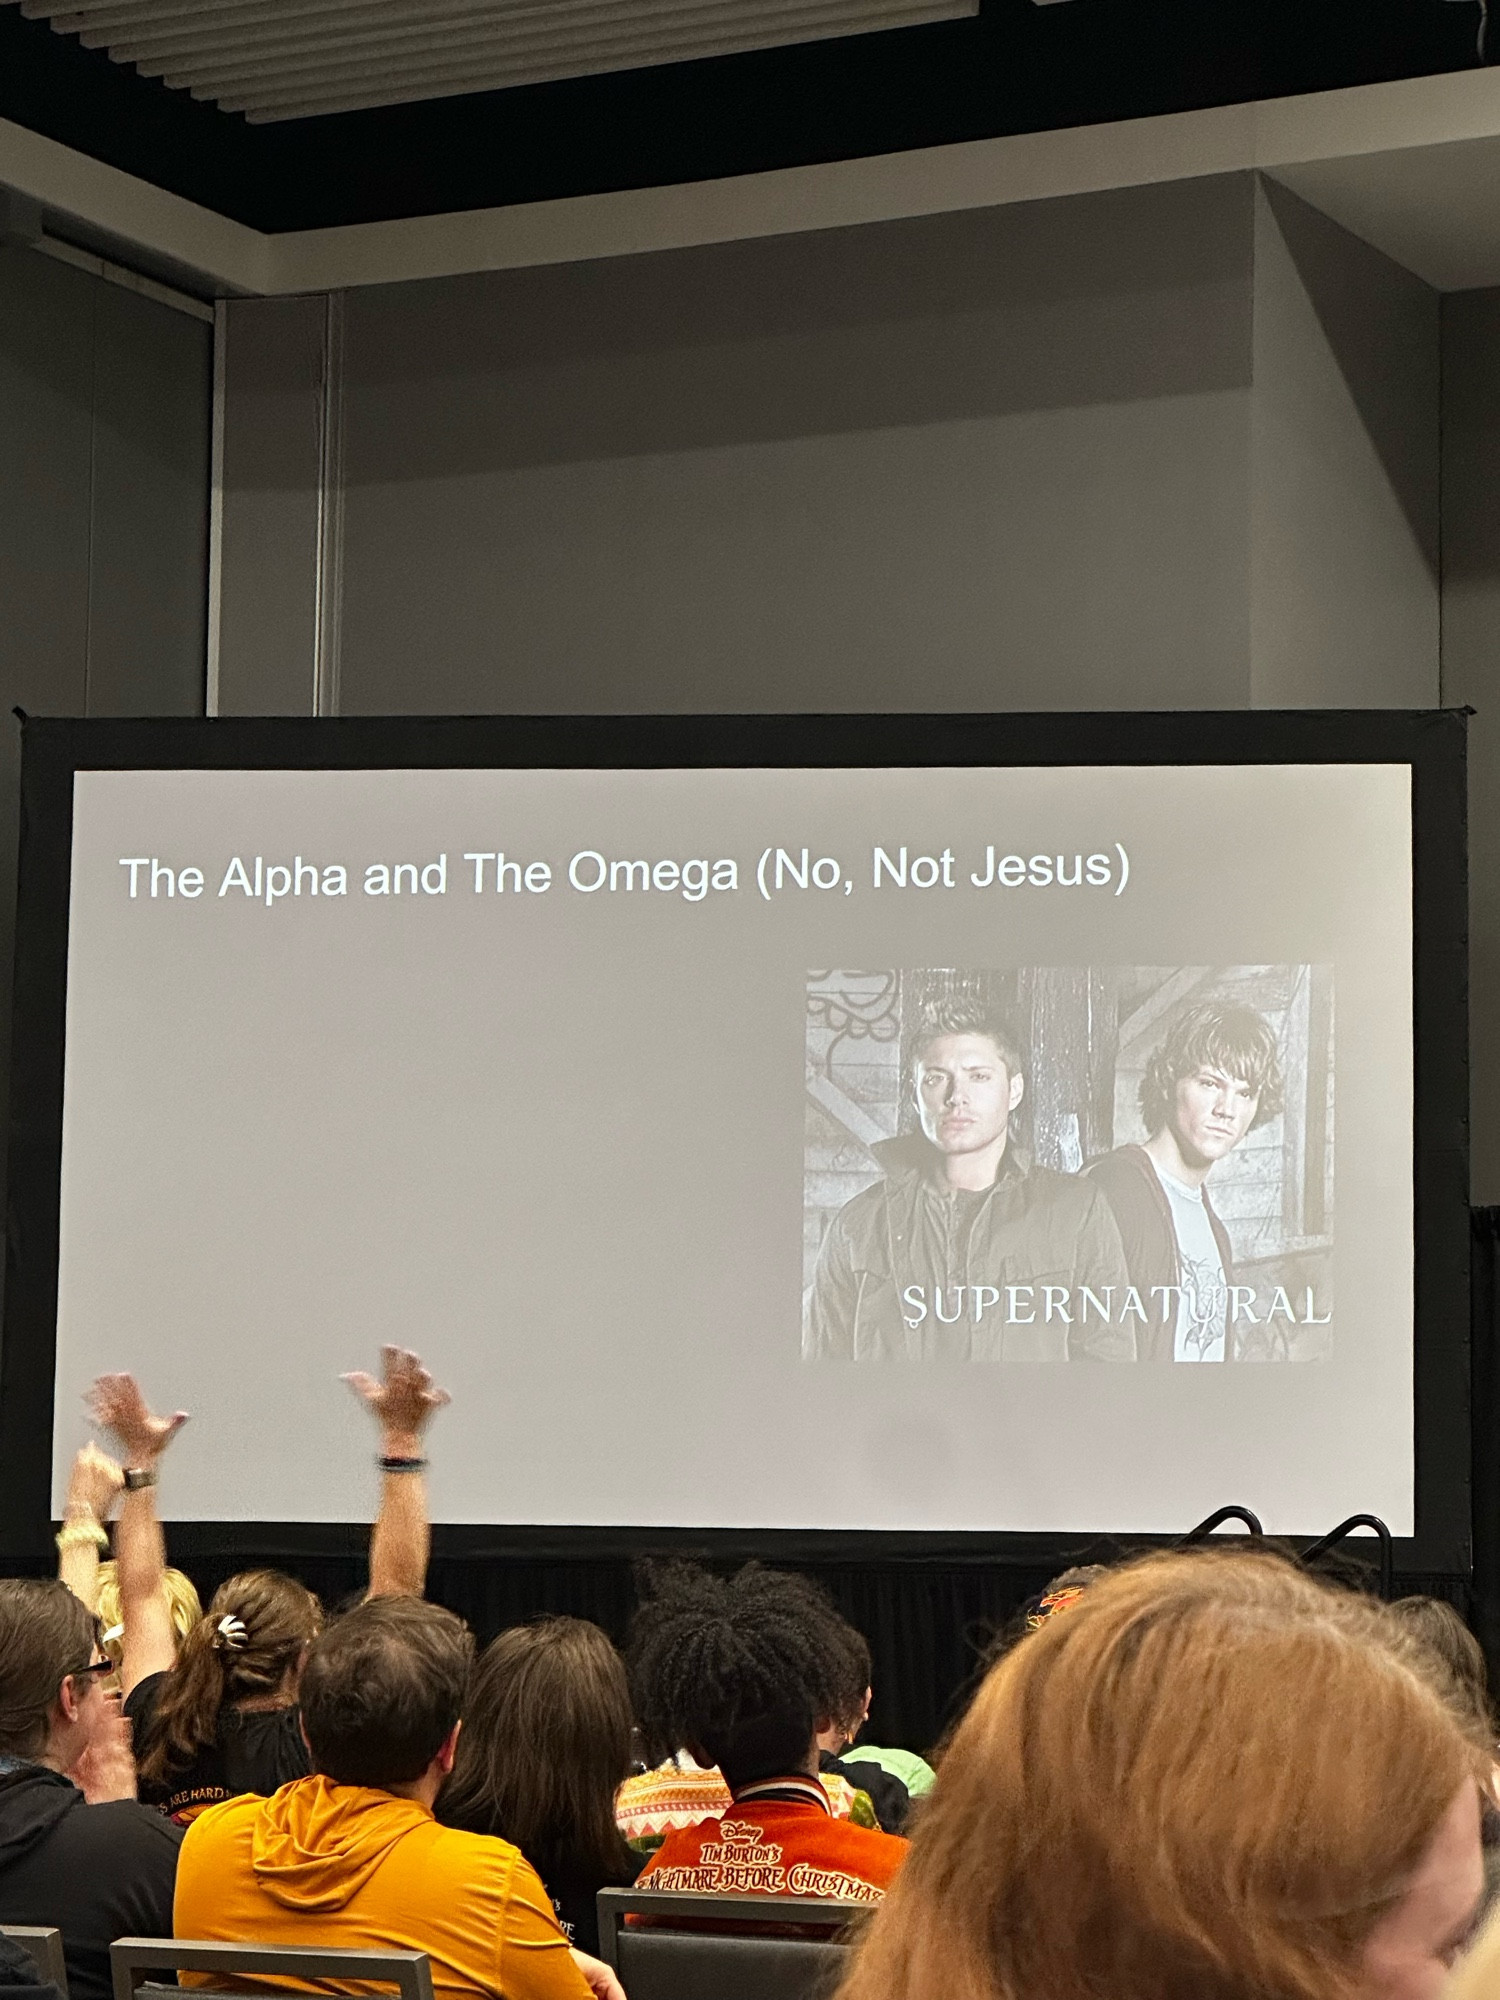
(363, 1870)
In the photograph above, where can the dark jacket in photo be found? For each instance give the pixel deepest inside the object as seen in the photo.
(1143, 1213)
(907, 1266)
(96, 1873)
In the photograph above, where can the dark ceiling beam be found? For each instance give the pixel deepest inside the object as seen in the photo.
(1015, 67)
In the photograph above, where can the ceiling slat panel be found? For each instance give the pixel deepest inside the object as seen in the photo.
(438, 77)
(460, 25)
(416, 54)
(281, 59)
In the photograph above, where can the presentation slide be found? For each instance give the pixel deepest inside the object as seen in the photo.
(939, 1149)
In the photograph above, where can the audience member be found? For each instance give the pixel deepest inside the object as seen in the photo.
(1216, 1777)
(184, 1608)
(352, 1857)
(94, 1484)
(222, 1718)
(745, 1674)
(889, 1796)
(1456, 1656)
(76, 1851)
(544, 1748)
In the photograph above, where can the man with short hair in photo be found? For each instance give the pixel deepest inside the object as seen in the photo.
(1215, 1076)
(966, 1249)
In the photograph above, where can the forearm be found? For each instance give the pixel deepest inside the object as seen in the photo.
(140, 1552)
(401, 1538)
(79, 1548)
(149, 1645)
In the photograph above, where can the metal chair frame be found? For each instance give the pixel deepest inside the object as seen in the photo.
(132, 1960)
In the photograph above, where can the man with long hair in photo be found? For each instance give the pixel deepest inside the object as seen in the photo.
(1214, 1077)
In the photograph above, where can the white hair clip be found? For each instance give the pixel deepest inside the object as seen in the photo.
(115, 1632)
(231, 1635)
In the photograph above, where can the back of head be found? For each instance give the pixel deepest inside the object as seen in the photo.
(243, 1648)
(45, 1635)
(382, 1690)
(741, 1673)
(1442, 1640)
(182, 1603)
(1209, 1779)
(545, 1746)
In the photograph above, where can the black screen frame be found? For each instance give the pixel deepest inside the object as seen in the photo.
(1431, 742)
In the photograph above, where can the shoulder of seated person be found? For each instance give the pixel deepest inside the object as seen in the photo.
(113, 1818)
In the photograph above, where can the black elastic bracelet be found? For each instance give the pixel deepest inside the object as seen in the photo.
(403, 1465)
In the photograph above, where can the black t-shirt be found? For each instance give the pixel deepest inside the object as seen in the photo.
(96, 1873)
(885, 1791)
(574, 1905)
(257, 1750)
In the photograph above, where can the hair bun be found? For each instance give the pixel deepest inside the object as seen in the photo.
(231, 1635)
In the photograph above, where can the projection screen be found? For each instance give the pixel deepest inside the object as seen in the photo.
(965, 1146)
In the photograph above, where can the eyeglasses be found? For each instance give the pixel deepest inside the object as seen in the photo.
(104, 1666)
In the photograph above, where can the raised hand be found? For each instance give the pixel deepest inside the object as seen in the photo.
(404, 1402)
(116, 1404)
(93, 1484)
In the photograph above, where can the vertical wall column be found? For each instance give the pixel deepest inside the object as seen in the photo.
(280, 476)
(1345, 456)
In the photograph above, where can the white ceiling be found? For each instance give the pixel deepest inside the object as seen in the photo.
(276, 59)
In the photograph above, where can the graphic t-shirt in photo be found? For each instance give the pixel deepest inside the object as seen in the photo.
(1203, 1304)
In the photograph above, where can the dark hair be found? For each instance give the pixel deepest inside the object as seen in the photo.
(1455, 1657)
(382, 1689)
(850, 1706)
(1236, 1040)
(242, 1647)
(739, 1672)
(544, 1749)
(969, 1017)
(45, 1635)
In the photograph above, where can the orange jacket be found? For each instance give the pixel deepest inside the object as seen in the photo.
(357, 1869)
(778, 1839)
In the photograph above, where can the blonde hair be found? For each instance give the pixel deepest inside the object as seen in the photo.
(1211, 1778)
(182, 1602)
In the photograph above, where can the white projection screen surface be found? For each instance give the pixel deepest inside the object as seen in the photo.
(929, 1149)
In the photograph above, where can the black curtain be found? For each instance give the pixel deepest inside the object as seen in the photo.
(928, 1621)
(1484, 1415)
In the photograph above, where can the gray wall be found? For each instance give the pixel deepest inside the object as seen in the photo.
(1173, 447)
(1471, 670)
(1170, 447)
(105, 401)
(988, 460)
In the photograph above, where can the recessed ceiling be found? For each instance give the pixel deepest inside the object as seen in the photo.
(280, 59)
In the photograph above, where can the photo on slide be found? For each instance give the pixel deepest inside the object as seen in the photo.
(1069, 1163)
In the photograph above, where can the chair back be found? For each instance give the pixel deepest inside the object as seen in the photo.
(46, 1948)
(133, 1960)
(748, 1959)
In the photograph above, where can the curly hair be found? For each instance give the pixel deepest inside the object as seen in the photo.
(742, 1671)
(1219, 1036)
